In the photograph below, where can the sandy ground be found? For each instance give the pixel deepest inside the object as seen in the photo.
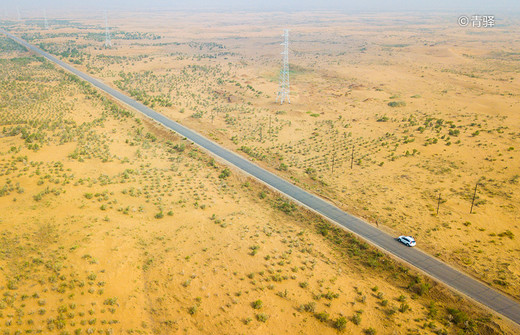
(429, 108)
(116, 229)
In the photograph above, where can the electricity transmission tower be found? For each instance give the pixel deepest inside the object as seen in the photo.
(108, 42)
(283, 93)
(45, 22)
(19, 15)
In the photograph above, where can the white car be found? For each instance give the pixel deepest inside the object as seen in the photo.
(407, 240)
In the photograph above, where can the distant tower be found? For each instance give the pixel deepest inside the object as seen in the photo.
(19, 15)
(108, 42)
(283, 93)
(45, 23)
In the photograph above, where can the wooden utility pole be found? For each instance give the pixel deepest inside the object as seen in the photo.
(352, 159)
(439, 203)
(269, 125)
(474, 195)
(333, 156)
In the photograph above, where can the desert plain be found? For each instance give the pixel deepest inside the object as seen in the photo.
(111, 224)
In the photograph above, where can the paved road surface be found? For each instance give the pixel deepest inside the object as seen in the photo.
(430, 265)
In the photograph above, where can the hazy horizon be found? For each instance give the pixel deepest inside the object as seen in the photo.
(483, 7)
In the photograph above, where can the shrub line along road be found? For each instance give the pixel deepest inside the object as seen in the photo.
(431, 266)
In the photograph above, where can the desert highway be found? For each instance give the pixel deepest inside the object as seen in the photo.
(440, 271)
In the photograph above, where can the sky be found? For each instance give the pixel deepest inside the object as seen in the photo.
(464, 6)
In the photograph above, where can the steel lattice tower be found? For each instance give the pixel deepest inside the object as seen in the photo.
(283, 93)
(108, 42)
(45, 22)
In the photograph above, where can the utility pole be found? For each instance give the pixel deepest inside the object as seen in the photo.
(474, 195)
(352, 159)
(283, 93)
(45, 23)
(333, 157)
(108, 41)
(439, 203)
(269, 125)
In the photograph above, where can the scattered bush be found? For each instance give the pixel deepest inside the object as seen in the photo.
(397, 104)
(340, 323)
(432, 310)
(225, 173)
(323, 316)
(159, 215)
(356, 319)
(507, 233)
(310, 307)
(257, 304)
(282, 167)
(458, 317)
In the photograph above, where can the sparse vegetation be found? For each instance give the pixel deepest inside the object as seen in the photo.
(90, 183)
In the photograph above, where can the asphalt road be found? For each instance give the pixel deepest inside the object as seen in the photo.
(442, 272)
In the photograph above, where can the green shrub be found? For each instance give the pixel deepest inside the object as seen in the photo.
(323, 316)
(459, 317)
(507, 233)
(432, 310)
(286, 207)
(397, 104)
(159, 215)
(418, 286)
(110, 301)
(310, 307)
(340, 323)
(404, 307)
(225, 173)
(257, 304)
(282, 167)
